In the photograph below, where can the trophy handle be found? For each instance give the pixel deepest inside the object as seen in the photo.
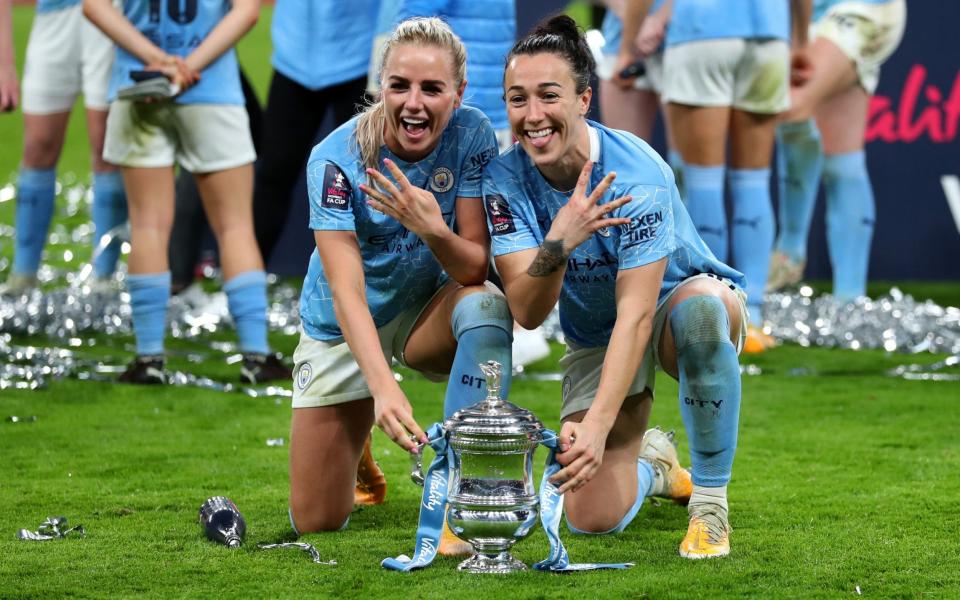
(416, 466)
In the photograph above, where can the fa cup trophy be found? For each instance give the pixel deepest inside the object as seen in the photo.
(493, 500)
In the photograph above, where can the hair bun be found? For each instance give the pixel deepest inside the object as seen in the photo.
(561, 25)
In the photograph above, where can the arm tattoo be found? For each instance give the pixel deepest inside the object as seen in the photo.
(548, 260)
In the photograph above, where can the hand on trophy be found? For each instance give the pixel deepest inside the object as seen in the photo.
(581, 453)
(394, 416)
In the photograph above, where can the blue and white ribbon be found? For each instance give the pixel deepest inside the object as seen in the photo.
(432, 507)
(434, 502)
(551, 511)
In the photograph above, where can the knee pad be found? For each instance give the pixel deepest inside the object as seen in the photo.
(699, 319)
(482, 309)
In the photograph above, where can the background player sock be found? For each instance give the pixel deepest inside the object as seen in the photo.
(148, 301)
(35, 192)
(709, 386)
(850, 216)
(676, 163)
(704, 200)
(751, 238)
(645, 479)
(483, 328)
(109, 210)
(247, 300)
(799, 160)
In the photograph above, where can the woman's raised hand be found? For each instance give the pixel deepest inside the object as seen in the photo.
(581, 216)
(415, 208)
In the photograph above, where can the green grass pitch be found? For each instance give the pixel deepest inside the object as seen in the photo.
(845, 479)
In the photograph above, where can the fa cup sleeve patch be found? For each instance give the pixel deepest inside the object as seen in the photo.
(336, 189)
(501, 219)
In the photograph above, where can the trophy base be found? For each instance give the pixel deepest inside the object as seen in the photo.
(503, 562)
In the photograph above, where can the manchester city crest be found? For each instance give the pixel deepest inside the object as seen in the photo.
(442, 180)
(303, 375)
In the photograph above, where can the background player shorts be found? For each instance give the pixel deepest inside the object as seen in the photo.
(752, 75)
(867, 33)
(201, 137)
(66, 56)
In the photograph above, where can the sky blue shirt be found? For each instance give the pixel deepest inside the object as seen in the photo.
(322, 43)
(178, 27)
(612, 29)
(820, 7)
(399, 268)
(521, 206)
(52, 5)
(697, 20)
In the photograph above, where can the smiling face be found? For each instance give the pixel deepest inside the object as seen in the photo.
(420, 94)
(547, 114)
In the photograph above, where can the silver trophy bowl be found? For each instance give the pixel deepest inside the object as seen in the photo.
(493, 501)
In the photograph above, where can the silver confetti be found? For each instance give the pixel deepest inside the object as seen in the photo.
(894, 322)
(309, 548)
(52, 528)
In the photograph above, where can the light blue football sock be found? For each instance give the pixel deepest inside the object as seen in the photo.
(850, 216)
(676, 163)
(751, 237)
(704, 202)
(709, 386)
(645, 478)
(148, 302)
(247, 300)
(109, 211)
(36, 189)
(799, 161)
(483, 327)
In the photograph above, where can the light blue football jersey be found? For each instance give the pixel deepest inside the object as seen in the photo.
(178, 27)
(399, 268)
(52, 5)
(320, 44)
(696, 20)
(612, 29)
(820, 7)
(521, 206)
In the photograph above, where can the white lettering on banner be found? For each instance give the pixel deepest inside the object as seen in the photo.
(951, 189)
(427, 547)
(435, 495)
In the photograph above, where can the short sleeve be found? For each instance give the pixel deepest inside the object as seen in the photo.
(331, 197)
(509, 217)
(650, 235)
(481, 148)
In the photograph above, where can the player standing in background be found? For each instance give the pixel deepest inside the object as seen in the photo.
(205, 129)
(838, 75)
(321, 51)
(399, 271)
(591, 216)
(632, 104)
(726, 78)
(9, 82)
(66, 56)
